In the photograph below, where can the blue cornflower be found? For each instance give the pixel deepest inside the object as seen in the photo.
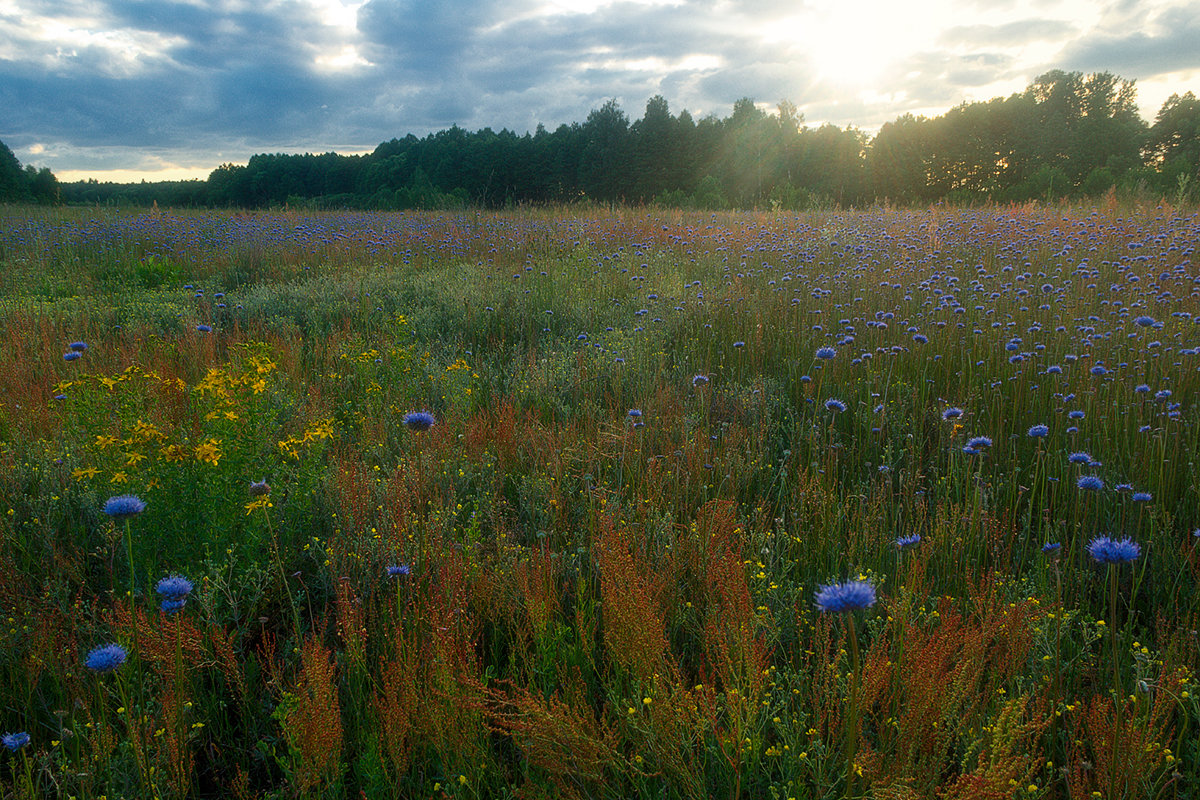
(1076, 414)
(905, 542)
(739, 344)
(419, 420)
(78, 346)
(699, 380)
(979, 442)
(204, 328)
(1111, 551)
(1052, 549)
(848, 596)
(1089, 483)
(920, 338)
(826, 353)
(1039, 431)
(172, 605)
(173, 589)
(952, 413)
(1141, 497)
(835, 405)
(1079, 458)
(635, 413)
(398, 571)
(1142, 388)
(1144, 321)
(71, 355)
(1098, 370)
(123, 507)
(15, 741)
(106, 658)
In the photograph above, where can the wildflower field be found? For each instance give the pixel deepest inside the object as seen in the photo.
(600, 504)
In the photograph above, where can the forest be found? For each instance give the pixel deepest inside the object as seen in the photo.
(1067, 135)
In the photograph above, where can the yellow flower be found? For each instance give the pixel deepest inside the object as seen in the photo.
(254, 505)
(146, 431)
(132, 459)
(209, 451)
(105, 441)
(85, 472)
(119, 477)
(173, 452)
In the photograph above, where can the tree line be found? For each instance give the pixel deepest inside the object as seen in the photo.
(1066, 135)
(28, 185)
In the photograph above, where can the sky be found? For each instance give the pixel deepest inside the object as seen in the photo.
(126, 90)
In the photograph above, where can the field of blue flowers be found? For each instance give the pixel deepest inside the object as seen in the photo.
(600, 504)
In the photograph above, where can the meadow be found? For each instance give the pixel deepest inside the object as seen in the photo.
(600, 503)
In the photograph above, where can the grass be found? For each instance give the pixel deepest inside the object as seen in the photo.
(599, 603)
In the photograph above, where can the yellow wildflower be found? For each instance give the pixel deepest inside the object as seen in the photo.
(209, 450)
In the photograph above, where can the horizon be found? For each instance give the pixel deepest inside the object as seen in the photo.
(121, 91)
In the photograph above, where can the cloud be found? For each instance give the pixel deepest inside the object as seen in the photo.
(1010, 34)
(123, 83)
(1164, 42)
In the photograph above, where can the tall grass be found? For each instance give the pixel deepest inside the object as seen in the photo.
(600, 604)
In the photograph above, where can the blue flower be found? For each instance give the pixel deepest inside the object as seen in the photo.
(848, 596)
(174, 587)
(1076, 414)
(739, 344)
(398, 571)
(905, 542)
(71, 355)
(979, 442)
(1144, 321)
(259, 488)
(204, 328)
(1141, 497)
(1039, 431)
(835, 405)
(15, 741)
(1089, 483)
(952, 413)
(1052, 549)
(699, 380)
(123, 507)
(106, 658)
(1079, 458)
(78, 346)
(826, 353)
(419, 420)
(172, 605)
(1111, 551)
(635, 413)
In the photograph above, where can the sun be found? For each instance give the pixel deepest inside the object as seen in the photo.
(850, 44)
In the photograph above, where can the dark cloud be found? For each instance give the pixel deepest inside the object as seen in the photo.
(1169, 41)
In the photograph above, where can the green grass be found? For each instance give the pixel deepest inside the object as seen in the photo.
(599, 604)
